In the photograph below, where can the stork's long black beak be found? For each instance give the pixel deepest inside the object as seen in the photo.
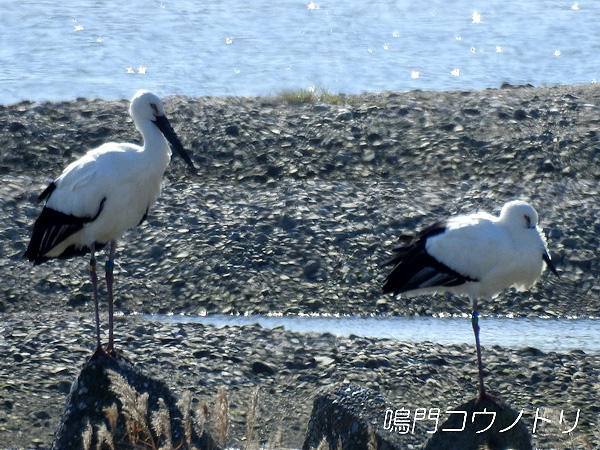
(548, 262)
(167, 130)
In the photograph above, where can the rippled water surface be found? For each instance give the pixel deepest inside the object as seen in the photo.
(62, 50)
(558, 335)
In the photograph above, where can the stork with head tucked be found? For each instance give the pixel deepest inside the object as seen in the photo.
(103, 194)
(478, 255)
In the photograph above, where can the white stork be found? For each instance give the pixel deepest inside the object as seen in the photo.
(103, 194)
(478, 255)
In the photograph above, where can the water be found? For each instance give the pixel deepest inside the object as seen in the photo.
(558, 335)
(61, 50)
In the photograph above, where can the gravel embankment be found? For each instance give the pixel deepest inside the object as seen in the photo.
(294, 208)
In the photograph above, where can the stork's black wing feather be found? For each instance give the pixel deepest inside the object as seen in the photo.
(51, 228)
(546, 258)
(414, 268)
(46, 194)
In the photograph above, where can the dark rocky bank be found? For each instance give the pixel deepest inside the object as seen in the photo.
(294, 208)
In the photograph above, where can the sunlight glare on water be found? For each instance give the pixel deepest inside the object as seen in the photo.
(56, 51)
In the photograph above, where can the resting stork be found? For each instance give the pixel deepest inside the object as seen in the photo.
(478, 255)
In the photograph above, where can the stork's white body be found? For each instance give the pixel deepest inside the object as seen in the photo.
(126, 177)
(492, 250)
(478, 255)
(107, 191)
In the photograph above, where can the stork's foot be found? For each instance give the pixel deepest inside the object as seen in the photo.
(484, 397)
(111, 352)
(99, 352)
(108, 352)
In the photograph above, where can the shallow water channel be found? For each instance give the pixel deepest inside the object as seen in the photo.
(559, 335)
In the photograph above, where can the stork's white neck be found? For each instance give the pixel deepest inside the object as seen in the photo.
(155, 146)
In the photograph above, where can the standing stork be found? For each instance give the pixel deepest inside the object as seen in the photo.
(478, 254)
(103, 194)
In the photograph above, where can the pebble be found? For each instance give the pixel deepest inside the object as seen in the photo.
(311, 268)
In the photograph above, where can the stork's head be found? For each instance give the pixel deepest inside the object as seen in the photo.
(520, 214)
(147, 106)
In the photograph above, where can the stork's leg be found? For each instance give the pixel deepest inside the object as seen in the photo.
(475, 323)
(94, 278)
(483, 395)
(110, 264)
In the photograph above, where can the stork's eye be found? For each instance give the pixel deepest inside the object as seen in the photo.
(528, 221)
(154, 108)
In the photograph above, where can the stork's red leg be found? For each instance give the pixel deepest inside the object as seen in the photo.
(475, 323)
(110, 264)
(483, 395)
(94, 278)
